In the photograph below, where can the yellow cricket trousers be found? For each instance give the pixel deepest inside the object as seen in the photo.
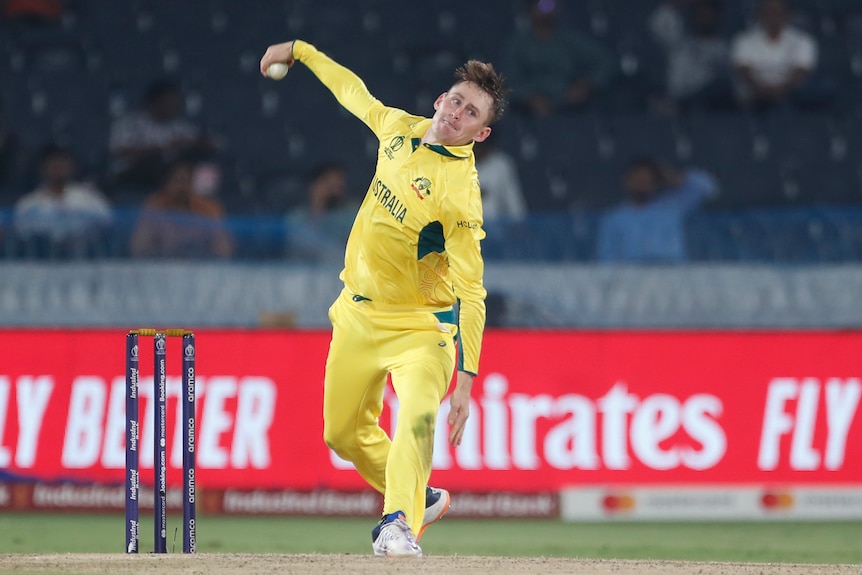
(418, 351)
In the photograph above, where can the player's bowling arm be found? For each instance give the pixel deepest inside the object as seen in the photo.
(347, 87)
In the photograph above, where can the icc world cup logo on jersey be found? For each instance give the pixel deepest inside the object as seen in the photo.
(422, 187)
(394, 145)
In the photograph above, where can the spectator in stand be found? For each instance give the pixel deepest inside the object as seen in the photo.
(555, 68)
(143, 143)
(503, 208)
(698, 55)
(773, 60)
(176, 222)
(68, 216)
(317, 230)
(667, 20)
(502, 198)
(649, 227)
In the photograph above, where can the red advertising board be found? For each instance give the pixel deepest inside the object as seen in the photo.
(551, 409)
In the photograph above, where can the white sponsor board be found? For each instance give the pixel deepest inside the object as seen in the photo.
(703, 503)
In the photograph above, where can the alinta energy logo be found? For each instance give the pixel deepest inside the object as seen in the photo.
(422, 187)
(777, 501)
(614, 503)
(395, 144)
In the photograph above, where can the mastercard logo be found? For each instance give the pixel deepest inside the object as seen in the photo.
(614, 503)
(776, 500)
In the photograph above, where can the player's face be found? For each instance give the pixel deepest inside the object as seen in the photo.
(461, 115)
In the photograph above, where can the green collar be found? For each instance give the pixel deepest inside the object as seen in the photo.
(459, 152)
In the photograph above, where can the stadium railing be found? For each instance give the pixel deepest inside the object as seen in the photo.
(792, 235)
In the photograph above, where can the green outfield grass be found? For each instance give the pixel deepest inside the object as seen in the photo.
(833, 542)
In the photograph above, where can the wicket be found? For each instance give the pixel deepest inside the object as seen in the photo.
(160, 466)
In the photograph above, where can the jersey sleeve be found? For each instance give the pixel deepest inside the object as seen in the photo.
(462, 229)
(347, 87)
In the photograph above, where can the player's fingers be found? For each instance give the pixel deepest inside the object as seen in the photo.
(453, 416)
(277, 53)
(457, 428)
(456, 441)
(271, 56)
(265, 61)
(455, 436)
(453, 429)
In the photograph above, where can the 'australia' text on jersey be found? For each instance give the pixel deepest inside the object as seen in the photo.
(388, 200)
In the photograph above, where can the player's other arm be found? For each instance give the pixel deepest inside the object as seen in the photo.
(462, 228)
(347, 87)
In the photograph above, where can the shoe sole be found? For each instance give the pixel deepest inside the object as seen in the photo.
(439, 515)
(404, 556)
(394, 555)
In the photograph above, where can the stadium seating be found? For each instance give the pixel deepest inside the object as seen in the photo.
(67, 81)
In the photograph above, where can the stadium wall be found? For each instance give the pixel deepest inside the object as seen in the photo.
(125, 293)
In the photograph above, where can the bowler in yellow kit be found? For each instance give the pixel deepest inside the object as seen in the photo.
(412, 255)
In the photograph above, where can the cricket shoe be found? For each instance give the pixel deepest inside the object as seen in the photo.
(392, 537)
(436, 505)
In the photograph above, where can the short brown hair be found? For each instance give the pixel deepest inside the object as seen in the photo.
(489, 81)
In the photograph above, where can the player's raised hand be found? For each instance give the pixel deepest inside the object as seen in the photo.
(277, 53)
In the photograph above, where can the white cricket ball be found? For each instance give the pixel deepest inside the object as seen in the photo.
(277, 71)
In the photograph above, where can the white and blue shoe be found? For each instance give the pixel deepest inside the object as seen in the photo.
(392, 537)
(436, 505)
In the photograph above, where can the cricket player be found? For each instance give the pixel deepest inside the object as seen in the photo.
(412, 254)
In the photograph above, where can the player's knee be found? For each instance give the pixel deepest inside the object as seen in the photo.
(337, 437)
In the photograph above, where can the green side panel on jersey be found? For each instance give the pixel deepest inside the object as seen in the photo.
(431, 240)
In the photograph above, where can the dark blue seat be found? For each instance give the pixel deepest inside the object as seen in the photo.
(728, 146)
(638, 135)
(828, 183)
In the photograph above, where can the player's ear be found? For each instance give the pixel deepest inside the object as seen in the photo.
(439, 100)
(483, 134)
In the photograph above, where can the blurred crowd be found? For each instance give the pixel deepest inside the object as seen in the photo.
(168, 181)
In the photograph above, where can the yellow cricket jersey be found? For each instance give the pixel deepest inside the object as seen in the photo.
(415, 242)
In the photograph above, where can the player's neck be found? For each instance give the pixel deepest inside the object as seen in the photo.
(430, 137)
